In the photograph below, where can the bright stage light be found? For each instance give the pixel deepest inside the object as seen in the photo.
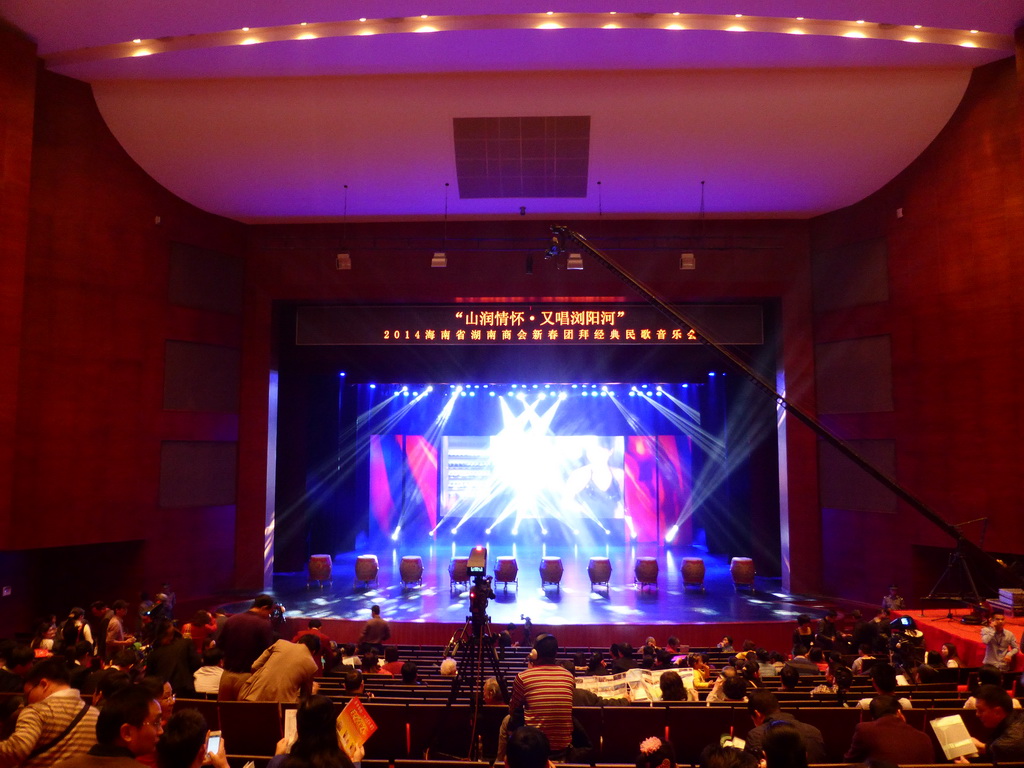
(394, 536)
(670, 534)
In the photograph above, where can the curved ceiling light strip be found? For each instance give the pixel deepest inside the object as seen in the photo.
(532, 21)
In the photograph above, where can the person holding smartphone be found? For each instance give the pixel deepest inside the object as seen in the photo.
(187, 742)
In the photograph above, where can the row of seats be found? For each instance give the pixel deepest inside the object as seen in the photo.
(411, 730)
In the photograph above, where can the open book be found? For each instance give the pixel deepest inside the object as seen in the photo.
(635, 684)
(953, 737)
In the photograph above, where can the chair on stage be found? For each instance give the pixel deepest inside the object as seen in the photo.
(600, 572)
(507, 572)
(411, 570)
(646, 572)
(367, 569)
(320, 570)
(551, 571)
(458, 571)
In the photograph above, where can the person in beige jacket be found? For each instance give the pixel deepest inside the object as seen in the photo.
(284, 672)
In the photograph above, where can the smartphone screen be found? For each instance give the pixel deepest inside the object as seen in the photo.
(213, 745)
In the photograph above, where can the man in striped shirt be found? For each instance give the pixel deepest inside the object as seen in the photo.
(54, 726)
(544, 691)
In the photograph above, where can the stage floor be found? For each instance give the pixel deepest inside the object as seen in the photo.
(572, 603)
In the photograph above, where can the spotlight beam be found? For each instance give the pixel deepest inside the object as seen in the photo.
(561, 234)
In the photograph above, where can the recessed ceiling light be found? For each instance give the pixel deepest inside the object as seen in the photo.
(854, 34)
(549, 25)
(739, 15)
(675, 26)
(142, 53)
(974, 31)
(306, 36)
(612, 12)
(675, 13)
(735, 29)
(363, 18)
(860, 21)
(137, 40)
(911, 40)
(302, 23)
(610, 26)
(426, 29)
(245, 29)
(799, 18)
(968, 44)
(917, 26)
(249, 41)
(423, 15)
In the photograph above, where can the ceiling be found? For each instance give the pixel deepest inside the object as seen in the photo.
(325, 109)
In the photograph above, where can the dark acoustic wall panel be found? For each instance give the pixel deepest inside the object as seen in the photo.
(522, 156)
(854, 376)
(200, 377)
(198, 474)
(851, 276)
(844, 485)
(205, 279)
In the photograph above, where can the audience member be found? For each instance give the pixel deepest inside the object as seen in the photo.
(127, 728)
(449, 667)
(244, 637)
(371, 665)
(801, 662)
(55, 724)
(803, 635)
(117, 636)
(206, 679)
(718, 756)
(763, 707)
(1000, 644)
(392, 661)
(789, 678)
(949, 653)
(410, 672)
(784, 747)
(888, 736)
(883, 679)
(988, 675)
(76, 629)
(183, 743)
(18, 661)
(527, 747)
(316, 745)
(283, 672)
(328, 648)
(375, 632)
(200, 630)
(1005, 726)
(545, 693)
(725, 645)
(863, 655)
(655, 753)
(174, 658)
(672, 688)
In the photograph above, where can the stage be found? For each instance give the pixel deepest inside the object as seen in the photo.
(429, 612)
(941, 625)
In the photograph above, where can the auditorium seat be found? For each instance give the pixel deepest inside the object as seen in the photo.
(623, 728)
(390, 741)
(836, 725)
(690, 729)
(206, 707)
(250, 727)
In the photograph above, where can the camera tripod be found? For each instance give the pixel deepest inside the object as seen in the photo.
(472, 647)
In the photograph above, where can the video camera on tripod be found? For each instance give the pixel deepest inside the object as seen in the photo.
(481, 591)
